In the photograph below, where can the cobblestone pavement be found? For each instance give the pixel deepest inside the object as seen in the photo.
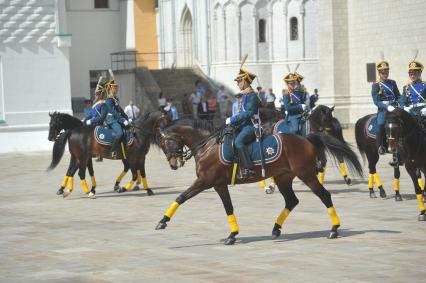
(45, 238)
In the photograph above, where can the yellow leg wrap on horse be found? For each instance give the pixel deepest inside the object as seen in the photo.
(64, 181)
(263, 184)
(343, 169)
(129, 185)
(370, 181)
(234, 173)
(93, 180)
(233, 223)
(420, 200)
(321, 176)
(272, 181)
(282, 217)
(138, 173)
(121, 177)
(333, 215)
(396, 184)
(172, 210)
(421, 185)
(377, 180)
(84, 185)
(145, 183)
(123, 150)
(71, 184)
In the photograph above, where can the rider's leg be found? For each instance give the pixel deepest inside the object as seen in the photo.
(380, 132)
(294, 124)
(245, 136)
(118, 134)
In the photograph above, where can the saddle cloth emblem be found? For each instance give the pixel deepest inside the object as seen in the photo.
(370, 128)
(104, 136)
(270, 151)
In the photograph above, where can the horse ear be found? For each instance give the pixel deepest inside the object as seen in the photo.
(332, 108)
(50, 114)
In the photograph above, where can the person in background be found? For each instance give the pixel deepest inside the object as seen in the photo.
(87, 110)
(171, 109)
(237, 104)
(161, 101)
(212, 106)
(223, 99)
(261, 95)
(313, 98)
(131, 110)
(195, 98)
(270, 99)
(203, 109)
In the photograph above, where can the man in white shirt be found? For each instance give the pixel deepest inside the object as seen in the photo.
(270, 99)
(131, 110)
(223, 99)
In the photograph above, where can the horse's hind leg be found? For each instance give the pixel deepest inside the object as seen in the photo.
(420, 181)
(312, 182)
(92, 177)
(285, 185)
(268, 189)
(69, 174)
(122, 174)
(396, 175)
(82, 175)
(411, 170)
(142, 177)
(348, 180)
(373, 177)
(223, 193)
(129, 185)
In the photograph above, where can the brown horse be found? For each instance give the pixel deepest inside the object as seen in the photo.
(82, 146)
(298, 159)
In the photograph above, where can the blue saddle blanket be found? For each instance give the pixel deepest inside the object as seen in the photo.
(271, 147)
(371, 127)
(283, 127)
(103, 136)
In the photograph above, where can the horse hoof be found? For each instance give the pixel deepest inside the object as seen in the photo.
(333, 235)
(60, 191)
(161, 226)
(121, 190)
(373, 195)
(230, 241)
(348, 181)
(92, 195)
(150, 192)
(66, 193)
(270, 190)
(398, 197)
(117, 187)
(136, 188)
(276, 234)
(382, 193)
(422, 217)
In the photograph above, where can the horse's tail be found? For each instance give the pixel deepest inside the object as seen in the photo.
(337, 149)
(58, 149)
(337, 130)
(360, 137)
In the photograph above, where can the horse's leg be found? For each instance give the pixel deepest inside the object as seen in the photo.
(310, 179)
(223, 193)
(82, 175)
(119, 178)
(268, 189)
(348, 180)
(142, 175)
(138, 180)
(411, 170)
(321, 175)
(373, 157)
(129, 185)
(285, 185)
(197, 187)
(67, 176)
(420, 181)
(71, 172)
(396, 175)
(92, 177)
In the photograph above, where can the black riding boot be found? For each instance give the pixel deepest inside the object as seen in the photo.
(113, 149)
(246, 163)
(379, 140)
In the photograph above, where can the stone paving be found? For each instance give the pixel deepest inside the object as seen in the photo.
(45, 238)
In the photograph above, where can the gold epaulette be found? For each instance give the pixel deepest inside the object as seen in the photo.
(99, 102)
(248, 90)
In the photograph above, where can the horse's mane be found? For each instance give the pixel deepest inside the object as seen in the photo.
(144, 126)
(68, 122)
(194, 123)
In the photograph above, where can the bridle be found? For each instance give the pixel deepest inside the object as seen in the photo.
(183, 152)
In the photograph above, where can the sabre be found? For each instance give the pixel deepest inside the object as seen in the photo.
(259, 138)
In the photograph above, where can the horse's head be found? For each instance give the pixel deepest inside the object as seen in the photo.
(394, 128)
(172, 146)
(322, 117)
(55, 125)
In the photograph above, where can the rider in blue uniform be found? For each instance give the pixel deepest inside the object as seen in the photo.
(243, 120)
(385, 96)
(413, 98)
(98, 111)
(295, 100)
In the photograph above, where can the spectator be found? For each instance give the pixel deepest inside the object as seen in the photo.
(261, 95)
(270, 99)
(195, 97)
(171, 109)
(237, 104)
(203, 109)
(281, 100)
(313, 99)
(131, 110)
(223, 99)
(162, 101)
(212, 106)
(87, 110)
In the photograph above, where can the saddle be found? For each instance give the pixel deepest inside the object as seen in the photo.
(104, 136)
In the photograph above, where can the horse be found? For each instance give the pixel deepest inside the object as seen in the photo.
(297, 159)
(82, 146)
(406, 135)
(320, 120)
(367, 146)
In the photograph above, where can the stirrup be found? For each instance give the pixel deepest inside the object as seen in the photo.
(247, 173)
(381, 150)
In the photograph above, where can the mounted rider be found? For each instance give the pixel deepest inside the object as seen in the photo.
(243, 120)
(98, 113)
(385, 95)
(413, 98)
(295, 99)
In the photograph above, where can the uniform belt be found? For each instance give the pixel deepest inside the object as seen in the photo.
(387, 102)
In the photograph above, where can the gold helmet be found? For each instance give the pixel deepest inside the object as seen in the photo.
(291, 77)
(382, 65)
(415, 66)
(245, 75)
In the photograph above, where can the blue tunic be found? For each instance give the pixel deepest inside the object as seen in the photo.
(414, 94)
(384, 94)
(293, 105)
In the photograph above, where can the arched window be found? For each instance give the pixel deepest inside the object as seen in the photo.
(294, 30)
(262, 27)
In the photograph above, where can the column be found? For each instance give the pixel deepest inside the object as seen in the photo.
(270, 35)
(239, 33)
(302, 28)
(224, 35)
(255, 56)
(130, 26)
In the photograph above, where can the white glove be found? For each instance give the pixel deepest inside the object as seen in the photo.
(130, 121)
(126, 123)
(167, 108)
(303, 107)
(228, 121)
(423, 111)
(88, 122)
(390, 108)
(408, 108)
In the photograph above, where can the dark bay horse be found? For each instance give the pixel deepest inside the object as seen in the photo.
(298, 159)
(83, 146)
(406, 135)
(368, 147)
